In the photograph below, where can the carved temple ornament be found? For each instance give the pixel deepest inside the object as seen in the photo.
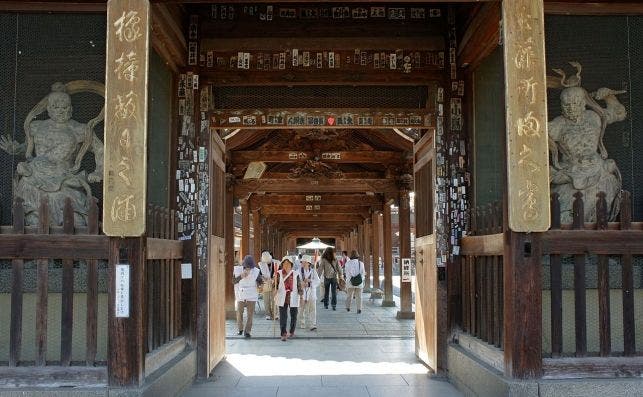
(579, 160)
(315, 169)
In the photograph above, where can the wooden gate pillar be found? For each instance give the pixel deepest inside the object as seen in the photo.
(388, 256)
(406, 308)
(368, 229)
(527, 192)
(245, 229)
(126, 328)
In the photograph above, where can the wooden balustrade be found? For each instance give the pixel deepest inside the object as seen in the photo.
(58, 256)
(481, 275)
(608, 250)
(589, 264)
(163, 278)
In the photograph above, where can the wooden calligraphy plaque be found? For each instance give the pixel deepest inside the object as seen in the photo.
(526, 100)
(125, 175)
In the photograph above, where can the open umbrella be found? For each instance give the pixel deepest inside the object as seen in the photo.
(315, 244)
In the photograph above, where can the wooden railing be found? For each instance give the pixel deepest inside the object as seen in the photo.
(612, 246)
(163, 278)
(582, 262)
(46, 249)
(481, 275)
(66, 252)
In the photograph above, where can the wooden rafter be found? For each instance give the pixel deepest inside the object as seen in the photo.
(246, 187)
(384, 157)
(322, 199)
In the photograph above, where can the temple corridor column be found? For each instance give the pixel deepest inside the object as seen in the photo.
(256, 231)
(368, 229)
(388, 257)
(245, 229)
(375, 234)
(406, 308)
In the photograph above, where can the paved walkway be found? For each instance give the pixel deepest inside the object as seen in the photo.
(369, 354)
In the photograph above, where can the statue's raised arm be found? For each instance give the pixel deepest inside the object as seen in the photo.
(12, 146)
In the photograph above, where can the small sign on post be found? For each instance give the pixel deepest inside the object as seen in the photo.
(406, 270)
(122, 290)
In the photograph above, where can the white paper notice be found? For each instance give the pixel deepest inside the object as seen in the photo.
(186, 271)
(122, 291)
(236, 271)
(406, 270)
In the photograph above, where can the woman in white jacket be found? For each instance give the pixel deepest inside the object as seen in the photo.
(307, 302)
(289, 290)
(355, 274)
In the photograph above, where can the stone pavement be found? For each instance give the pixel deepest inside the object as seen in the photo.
(374, 321)
(368, 354)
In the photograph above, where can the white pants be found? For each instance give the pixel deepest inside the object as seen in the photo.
(308, 313)
(350, 290)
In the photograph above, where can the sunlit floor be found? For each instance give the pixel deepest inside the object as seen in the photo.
(368, 354)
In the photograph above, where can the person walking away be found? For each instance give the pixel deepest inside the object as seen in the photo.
(308, 301)
(267, 268)
(247, 282)
(330, 271)
(288, 294)
(355, 275)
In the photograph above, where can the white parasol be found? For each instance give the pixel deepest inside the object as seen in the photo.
(315, 244)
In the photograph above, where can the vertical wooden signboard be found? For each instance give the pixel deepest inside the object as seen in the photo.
(526, 93)
(124, 190)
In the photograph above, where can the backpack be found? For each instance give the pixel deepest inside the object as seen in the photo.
(356, 280)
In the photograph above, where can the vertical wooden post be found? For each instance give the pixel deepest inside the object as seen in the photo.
(245, 229)
(527, 192)
(377, 254)
(229, 248)
(17, 281)
(42, 288)
(368, 263)
(404, 213)
(126, 347)
(256, 231)
(388, 257)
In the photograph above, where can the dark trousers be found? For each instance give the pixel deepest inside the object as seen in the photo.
(330, 285)
(283, 318)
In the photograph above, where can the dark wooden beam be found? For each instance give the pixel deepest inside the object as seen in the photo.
(269, 209)
(158, 248)
(600, 242)
(53, 246)
(302, 118)
(245, 187)
(593, 8)
(320, 199)
(481, 37)
(276, 218)
(244, 138)
(349, 175)
(324, 78)
(88, 6)
(243, 157)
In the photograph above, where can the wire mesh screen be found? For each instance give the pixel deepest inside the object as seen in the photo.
(37, 51)
(611, 54)
(320, 97)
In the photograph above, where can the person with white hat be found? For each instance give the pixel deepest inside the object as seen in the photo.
(267, 267)
(307, 302)
(246, 282)
(288, 292)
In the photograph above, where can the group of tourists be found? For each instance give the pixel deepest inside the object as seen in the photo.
(291, 284)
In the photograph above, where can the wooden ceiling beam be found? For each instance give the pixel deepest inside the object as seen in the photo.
(323, 199)
(244, 157)
(272, 209)
(481, 36)
(326, 118)
(593, 8)
(244, 188)
(321, 78)
(313, 217)
(350, 175)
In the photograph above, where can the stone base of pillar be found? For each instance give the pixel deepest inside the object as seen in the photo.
(386, 303)
(230, 314)
(367, 290)
(405, 315)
